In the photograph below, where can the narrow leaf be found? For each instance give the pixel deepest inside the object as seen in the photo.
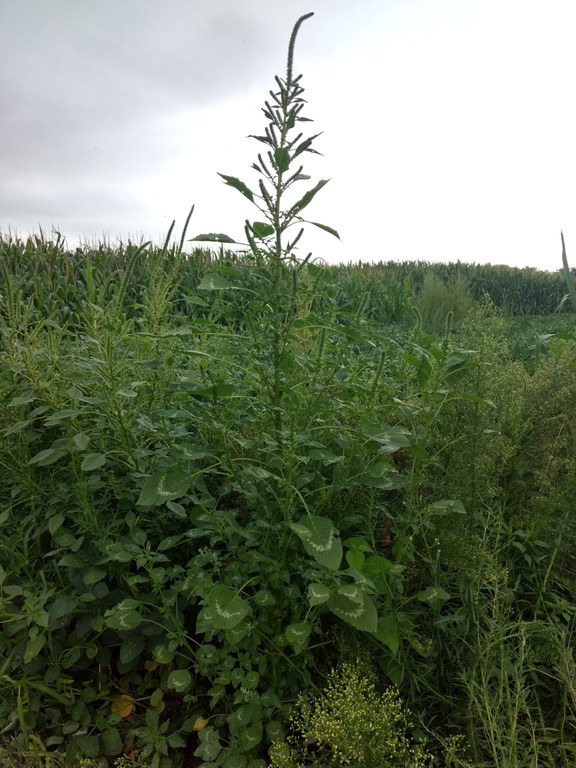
(232, 181)
(326, 228)
(305, 199)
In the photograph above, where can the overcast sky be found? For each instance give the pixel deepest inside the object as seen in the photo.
(449, 125)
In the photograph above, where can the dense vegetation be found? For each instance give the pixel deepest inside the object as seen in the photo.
(255, 510)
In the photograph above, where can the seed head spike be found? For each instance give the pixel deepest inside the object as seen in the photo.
(291, 46)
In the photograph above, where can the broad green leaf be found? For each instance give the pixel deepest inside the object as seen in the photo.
(390, 438)
(352, 592)
(321, 540)
(360, 615)
(298, 635)
(264, 597)
(167, 485)
(164, 654)
(93, 461)
(357, 543)
(209, 744)
(62, 606)
(282, 159)
(88, 745)
(446, 507)
(383, 475)
(318, 593)
(262, 229)
(213, 237)
(355, 559)
(93, 574)
(81, 441)
(179, 680)
(252, 736)
(131, 648)
(232, 181)
(212, 281)
(237, 633)
(124, 616)
(111, 743)
(55, 522)
(225, 608)
(433, 595)
(34, 647)
(387, 632)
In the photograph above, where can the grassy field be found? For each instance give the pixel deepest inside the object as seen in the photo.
(259, 511)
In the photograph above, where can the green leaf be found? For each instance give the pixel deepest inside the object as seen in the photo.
(131, 648)
(446, 507)
(47, 456)
(360, 615)
(24, 399)
(298, 634)
(55, 522)
(111, 742)
(352, 592)
(179, 680)
(282, 159)
(167, 485)
(355, 559)
(93, 574)
(81, 441)
(305, 200)
(62, 606)
(34, 647)
(325, 228)
(89, 745)
(212, 281)
(93, 461)
(213, 392)
(59, 416)
(387, 632)
(252, 736)
(225, 608)
(321, 540)
(318, 593)
(209, 747)
(124, 616)
(390, 438)
(262, 229)
(433, 595)
(232, 181)
(383, 475)
(213, 237)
